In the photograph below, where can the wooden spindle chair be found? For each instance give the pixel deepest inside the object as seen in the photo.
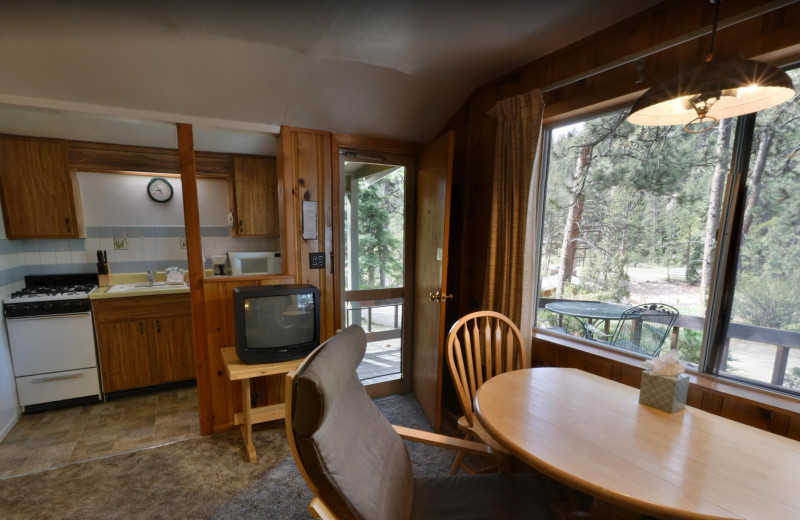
(480, 346)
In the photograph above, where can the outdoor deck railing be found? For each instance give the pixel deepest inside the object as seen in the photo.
(355, 315)
(782, 340)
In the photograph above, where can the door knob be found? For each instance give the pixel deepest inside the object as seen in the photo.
(439, 297)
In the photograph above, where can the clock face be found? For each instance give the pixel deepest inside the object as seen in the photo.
(159, 189)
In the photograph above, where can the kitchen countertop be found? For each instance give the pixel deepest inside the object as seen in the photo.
(131, 290)
(128, 285)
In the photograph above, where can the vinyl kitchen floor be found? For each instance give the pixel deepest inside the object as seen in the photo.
(57, 437)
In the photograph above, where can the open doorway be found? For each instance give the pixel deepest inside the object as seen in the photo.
(377, 241)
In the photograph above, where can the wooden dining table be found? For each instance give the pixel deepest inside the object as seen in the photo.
(591, 434)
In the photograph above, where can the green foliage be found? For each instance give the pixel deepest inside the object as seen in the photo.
(380, 232)
(694, 261)
(604, 277)
(645, 201)
(689, 345)
(766, 301)
(792, 379)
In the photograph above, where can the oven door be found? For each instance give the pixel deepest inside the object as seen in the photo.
(43, 344)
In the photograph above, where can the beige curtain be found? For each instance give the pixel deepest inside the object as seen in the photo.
(509, 267)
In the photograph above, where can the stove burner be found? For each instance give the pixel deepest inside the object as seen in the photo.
(37, 292)
(51, 294)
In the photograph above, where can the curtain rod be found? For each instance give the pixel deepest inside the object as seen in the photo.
(703, 31)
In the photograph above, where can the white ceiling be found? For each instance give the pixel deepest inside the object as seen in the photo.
(395, 69)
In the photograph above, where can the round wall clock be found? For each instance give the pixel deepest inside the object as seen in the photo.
(159, 189)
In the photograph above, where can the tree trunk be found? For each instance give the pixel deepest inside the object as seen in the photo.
(754, 191)
(572, 226)
(714, 204)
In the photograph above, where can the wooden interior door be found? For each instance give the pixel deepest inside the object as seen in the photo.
(434, 175)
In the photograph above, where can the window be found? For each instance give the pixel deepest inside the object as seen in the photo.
(629, 255)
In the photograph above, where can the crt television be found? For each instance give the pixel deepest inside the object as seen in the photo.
(276, 322)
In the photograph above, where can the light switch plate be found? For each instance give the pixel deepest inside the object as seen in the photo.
(316, 260)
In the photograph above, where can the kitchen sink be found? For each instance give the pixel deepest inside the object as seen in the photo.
(143, 287)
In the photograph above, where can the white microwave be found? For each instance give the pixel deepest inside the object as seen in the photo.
(262, 262)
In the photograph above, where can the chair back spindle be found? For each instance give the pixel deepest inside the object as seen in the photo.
(480, 346)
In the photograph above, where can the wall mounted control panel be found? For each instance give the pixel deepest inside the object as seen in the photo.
(316, 260)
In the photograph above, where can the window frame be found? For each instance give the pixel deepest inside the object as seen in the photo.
(724, 269)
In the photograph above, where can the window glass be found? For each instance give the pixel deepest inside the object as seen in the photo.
(630, 219)
(374, 224)
(763, 340)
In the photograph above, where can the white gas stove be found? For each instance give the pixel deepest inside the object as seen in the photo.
(51, 338)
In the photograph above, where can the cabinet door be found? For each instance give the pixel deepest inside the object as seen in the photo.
(125, 359)
(37, 189)
(173, 350)
(255, 181)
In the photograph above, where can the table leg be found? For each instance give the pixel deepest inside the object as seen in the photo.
(247, 426)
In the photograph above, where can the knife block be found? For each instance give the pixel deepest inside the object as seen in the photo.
(104, 280)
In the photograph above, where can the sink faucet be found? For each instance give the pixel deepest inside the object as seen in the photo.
(151, 274)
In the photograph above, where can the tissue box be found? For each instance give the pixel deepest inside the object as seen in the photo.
(667, 393)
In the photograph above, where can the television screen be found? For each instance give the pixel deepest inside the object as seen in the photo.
(276, 323)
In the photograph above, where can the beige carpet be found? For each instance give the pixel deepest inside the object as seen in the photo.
(199, 478)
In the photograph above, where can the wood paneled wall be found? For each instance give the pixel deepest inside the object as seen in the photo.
(774, 36)
(305, 160)
(304, 172)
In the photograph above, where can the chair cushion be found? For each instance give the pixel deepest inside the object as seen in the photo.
(350, 451)
(498, 496)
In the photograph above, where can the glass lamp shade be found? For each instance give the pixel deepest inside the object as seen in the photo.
(725, 89)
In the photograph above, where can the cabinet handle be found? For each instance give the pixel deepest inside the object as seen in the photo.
(241, 226)
(69, 226)
(141, 328)
(158, 326)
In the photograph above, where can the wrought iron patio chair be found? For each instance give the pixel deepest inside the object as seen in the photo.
(644, 328)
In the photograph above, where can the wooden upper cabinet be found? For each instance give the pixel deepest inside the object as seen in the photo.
(38, 190)
(255, 181)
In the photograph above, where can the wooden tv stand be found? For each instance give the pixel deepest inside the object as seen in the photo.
(239, 371)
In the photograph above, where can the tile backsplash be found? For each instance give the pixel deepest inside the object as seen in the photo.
(131, 249)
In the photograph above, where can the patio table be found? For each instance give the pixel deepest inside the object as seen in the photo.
(589, 311)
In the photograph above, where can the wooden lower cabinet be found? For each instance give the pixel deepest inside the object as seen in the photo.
(125, 357)
(144, 340)
(174, 352)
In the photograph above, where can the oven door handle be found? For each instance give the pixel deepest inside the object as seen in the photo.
(55, 378)
(49, 316)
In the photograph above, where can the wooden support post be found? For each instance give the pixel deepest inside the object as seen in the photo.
(674, 338)
(779, 368)
(191, 219)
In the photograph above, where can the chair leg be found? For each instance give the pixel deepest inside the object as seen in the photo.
(457, 463)
(503, 464)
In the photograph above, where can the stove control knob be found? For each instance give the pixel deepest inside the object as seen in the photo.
(47, 306)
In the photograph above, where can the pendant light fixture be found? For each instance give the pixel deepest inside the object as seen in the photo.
(698, 98)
